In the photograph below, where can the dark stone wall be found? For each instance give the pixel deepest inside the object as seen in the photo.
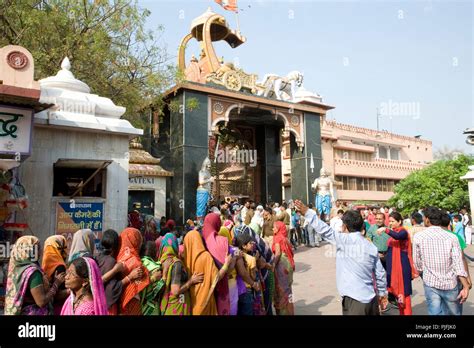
(301, 175)
(189, 148)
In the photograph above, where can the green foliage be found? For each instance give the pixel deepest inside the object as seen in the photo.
(106, 42)
(436, 185)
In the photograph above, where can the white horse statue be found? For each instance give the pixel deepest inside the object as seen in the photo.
(283, 88)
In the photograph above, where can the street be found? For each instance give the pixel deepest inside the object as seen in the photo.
(314, 284)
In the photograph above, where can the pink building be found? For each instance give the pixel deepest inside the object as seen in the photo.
(367, 163)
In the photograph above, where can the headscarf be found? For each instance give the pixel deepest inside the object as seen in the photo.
(150, 228)
(54, 254)
(224, 232)
(218, 246)
(82, 244)
(169, 247)
(171, 224)
(257, 220)
(158, 246)
(23, 263)
(97, 289)
(198, 260)
(281, 237)
(129, 255)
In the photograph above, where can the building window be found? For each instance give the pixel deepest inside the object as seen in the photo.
(395, 154)
(363, 156)
(366, 184)
(80, 178)
(383, 152)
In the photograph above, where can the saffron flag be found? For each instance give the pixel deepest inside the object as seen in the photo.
(229, 5)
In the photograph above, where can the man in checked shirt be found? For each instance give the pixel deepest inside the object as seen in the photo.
(438, 258)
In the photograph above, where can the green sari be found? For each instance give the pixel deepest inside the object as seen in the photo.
(171, 304)
(150, 296)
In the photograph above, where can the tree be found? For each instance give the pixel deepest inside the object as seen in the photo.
(436, 185)
(106, 42)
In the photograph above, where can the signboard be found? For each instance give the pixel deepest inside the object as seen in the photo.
(71, 217)
(142, 182)
(16, 126)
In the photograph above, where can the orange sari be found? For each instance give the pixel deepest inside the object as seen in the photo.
(129, 255)
(198, 260)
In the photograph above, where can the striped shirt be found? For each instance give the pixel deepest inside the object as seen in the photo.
(438, 255)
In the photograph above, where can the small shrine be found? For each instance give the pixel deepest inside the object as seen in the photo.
(77, 174)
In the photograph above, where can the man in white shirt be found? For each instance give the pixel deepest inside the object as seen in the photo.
(336, 222)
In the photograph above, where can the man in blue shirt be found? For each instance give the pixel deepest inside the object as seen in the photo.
(360, 277)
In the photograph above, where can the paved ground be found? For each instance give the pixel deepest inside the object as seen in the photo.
(314, 284)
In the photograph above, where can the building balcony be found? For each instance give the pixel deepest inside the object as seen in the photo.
(378, 168)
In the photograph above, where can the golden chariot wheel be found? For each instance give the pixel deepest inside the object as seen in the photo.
(232, 81)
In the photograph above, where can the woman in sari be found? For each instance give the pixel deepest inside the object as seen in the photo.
(400, 268)
(54, 261)
(28, 291)
(129, 255)
(150, 297)
(284, 267)
(175, 299)
(150, 231)
(87, 291)
(218, 247)
(256, 223)
(82, 244)
(232, 274)
(198, 260)
(265, 264)
(112, 271)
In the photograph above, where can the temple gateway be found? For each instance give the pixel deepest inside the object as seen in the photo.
(252, 132)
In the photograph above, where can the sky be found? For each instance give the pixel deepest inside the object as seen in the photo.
(410, 60)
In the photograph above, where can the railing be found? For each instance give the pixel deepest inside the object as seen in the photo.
(381, 163)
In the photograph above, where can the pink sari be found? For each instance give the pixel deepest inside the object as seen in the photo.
(98, 305)
(218, 247)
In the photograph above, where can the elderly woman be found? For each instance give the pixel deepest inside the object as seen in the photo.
(129, 255)
(28, 290)
(87, 296)
(82, 244)
(54, 261)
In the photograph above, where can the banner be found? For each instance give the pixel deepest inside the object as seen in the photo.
(71, 217)
(229, 5)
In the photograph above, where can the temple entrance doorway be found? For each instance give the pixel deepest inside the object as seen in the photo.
(247, 157)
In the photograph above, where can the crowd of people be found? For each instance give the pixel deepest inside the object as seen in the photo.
(223, 267)
(241, 262)
(379, 253)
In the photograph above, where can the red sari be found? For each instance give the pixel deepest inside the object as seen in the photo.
(397, 283)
